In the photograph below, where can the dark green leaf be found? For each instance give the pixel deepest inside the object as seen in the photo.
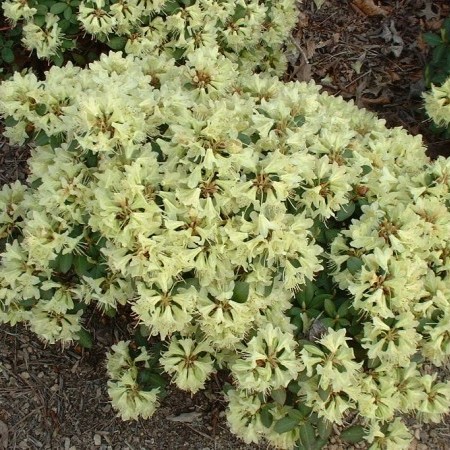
(343, 309)
(432, 39)
(239, 13)
(318, 301)
(345, 212)
(171, 7)
(330, 307)
(28, 303)
(79, 59)
(307, 435)
(68, 44)
(64, 262)
(64, 24)
(285, 424)
(244, 139)
(353, 434)
(117, 42)
(240, 292)
(39, 20)
(10, 121)
(41, 109)
(58, 8)
(41, 10)
(438, 54)
(354, 264)
(324, 394)
(68, 13)
(58, 59)
(266, 416)
(324, 428)
(328, 322)
(304, 410)
(41, 139)
(7, 55)
(279, 396)
(84, 338)
(81, 265)
(149, 378)
(330, 234)
(299, 120)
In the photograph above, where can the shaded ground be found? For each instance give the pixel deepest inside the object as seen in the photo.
(51, 399)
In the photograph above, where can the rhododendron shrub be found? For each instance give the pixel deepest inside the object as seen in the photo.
(247, 225)
(251, 33)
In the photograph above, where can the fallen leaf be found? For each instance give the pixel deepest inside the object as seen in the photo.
(428, 12)
(369, 8)
(3, 436)
(187, 417)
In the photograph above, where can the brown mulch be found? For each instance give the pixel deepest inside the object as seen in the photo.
(51, 399)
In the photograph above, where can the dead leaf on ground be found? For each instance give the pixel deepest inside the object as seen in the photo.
(369, 8)
(3, 436)
(187, 417)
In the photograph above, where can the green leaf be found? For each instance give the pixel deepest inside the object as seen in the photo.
(41, 10)
(343, 309)
(285, 424)
(39, 20)
(304, 410)
(299, 120)
(307, 436)
(64, 25)
(354, 264)
(28, 302)
(68, 13)
(7, 55)
(345, 212)
(328, 322)
(318, 301)
(117, 42)
(239, 13)
(330, 234)
(324, 428)
(240, 292)
(171, 7)
(266, 416)
(56, 140)
(279, 396)
(41, 109)
(148, 378)
(41, 139)
(330, 307)
(64, 262)
(432, 39)
(10, 121)
(81, 265)
(58, 59)
(84, 338)
(58, 8)
(68, 44)
(353, 434)
(244, 139)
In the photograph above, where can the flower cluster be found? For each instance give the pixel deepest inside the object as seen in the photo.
(249, 32)
(437, 104)
(209, 201)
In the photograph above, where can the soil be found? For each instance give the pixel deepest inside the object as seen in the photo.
(371, 52)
